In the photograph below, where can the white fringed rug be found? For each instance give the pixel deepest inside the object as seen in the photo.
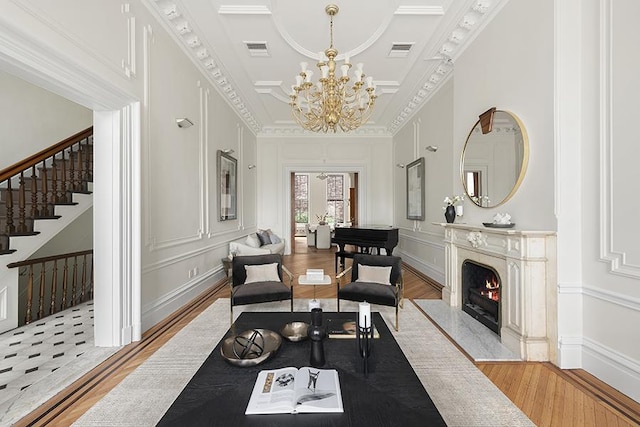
(462, 394)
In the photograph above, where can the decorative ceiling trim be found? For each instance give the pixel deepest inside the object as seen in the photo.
(314, 55)
(450, 49)
(208, 62)
(254, 9)
(419, 10)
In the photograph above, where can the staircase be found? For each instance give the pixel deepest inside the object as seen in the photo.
(31, 189)
(39, 196)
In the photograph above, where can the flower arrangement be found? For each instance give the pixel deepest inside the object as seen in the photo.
(322, 219)
(452, 200)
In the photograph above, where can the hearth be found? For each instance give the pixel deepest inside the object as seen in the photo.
(481, 294)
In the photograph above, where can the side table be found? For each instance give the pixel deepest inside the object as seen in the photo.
(226, 265)
(303, 280)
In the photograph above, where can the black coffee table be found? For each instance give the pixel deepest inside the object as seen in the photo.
(391, 395)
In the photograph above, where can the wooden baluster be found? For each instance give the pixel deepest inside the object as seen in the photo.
(80, 171)
(27, 317)
(89, 161)
(55, 197)
(65, 190)
(65, 284)
(54, 285)
(83, 282)
(74, 282)
(42, 286)
(22, 224)
(44, 195)
(34, 193)
(9, 227)
(91, 279)
(72, 170)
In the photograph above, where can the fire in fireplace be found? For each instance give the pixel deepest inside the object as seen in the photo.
(481, 294)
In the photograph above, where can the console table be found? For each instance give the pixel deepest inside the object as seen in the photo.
(392, 394)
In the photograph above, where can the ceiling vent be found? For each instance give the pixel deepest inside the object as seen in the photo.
(400, 50)
(257, 48)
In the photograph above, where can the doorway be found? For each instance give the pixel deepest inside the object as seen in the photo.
(330, 197)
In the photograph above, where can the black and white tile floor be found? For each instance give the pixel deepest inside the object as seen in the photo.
(32, 352)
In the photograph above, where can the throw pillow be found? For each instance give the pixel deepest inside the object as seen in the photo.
(374, 274)
(262, 273)
(263, 235)
(273, 237)
(253, 241)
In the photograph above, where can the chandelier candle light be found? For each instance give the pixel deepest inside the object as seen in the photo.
(331, 103)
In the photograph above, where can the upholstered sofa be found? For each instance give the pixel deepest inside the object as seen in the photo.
(260, 243)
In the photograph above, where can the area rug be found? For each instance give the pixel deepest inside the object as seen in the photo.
(462, 394)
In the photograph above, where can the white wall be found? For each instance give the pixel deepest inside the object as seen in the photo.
(32, 119)
(281, 155)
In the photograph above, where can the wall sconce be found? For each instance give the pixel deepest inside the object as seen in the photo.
(251, 167)
(431, 148)
(228, 150)
(184, 123)
(400, 165)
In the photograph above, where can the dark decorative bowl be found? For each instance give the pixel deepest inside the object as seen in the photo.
(295, 331)
(250, 348)
(494, 225)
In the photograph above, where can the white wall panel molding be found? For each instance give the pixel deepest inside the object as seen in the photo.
(435, 272)
(613, 249)
(621, 300)
(437, 243)
(153, 240)
(182, 257)
(123, 35)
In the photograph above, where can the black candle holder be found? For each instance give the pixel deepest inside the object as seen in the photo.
(364, 340)
(316, 333)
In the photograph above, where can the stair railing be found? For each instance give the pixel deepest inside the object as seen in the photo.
(53, 175)
(59, 282)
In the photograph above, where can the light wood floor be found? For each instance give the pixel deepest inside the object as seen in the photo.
(549, 396)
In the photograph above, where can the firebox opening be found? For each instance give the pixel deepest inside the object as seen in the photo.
(481, 294)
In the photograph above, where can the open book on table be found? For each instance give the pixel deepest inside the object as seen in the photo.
(291, 390)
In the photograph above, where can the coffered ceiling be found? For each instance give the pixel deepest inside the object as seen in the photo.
(251, 50)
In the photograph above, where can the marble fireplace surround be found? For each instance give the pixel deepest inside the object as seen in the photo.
(526, 264)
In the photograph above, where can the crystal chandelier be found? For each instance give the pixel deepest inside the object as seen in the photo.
(332, 103)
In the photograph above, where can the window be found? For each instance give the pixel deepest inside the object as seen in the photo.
(301, 194)
(335, 198)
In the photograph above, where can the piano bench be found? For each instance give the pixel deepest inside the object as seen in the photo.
(342, 255)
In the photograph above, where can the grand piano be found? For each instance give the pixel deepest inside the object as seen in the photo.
(364, 238)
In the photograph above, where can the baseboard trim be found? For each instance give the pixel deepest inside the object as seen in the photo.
(158, 310)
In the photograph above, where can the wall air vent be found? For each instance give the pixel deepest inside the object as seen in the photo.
(257, 48)
(400, 50)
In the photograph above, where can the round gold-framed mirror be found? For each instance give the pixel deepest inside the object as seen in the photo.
(494, 159)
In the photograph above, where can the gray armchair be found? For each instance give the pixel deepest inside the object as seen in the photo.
(381, 286)
(255, 279)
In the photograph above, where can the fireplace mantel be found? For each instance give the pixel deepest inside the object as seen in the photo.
(526, 263)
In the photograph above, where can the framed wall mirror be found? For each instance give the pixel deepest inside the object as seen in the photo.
(227, 186)
(494, 158)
